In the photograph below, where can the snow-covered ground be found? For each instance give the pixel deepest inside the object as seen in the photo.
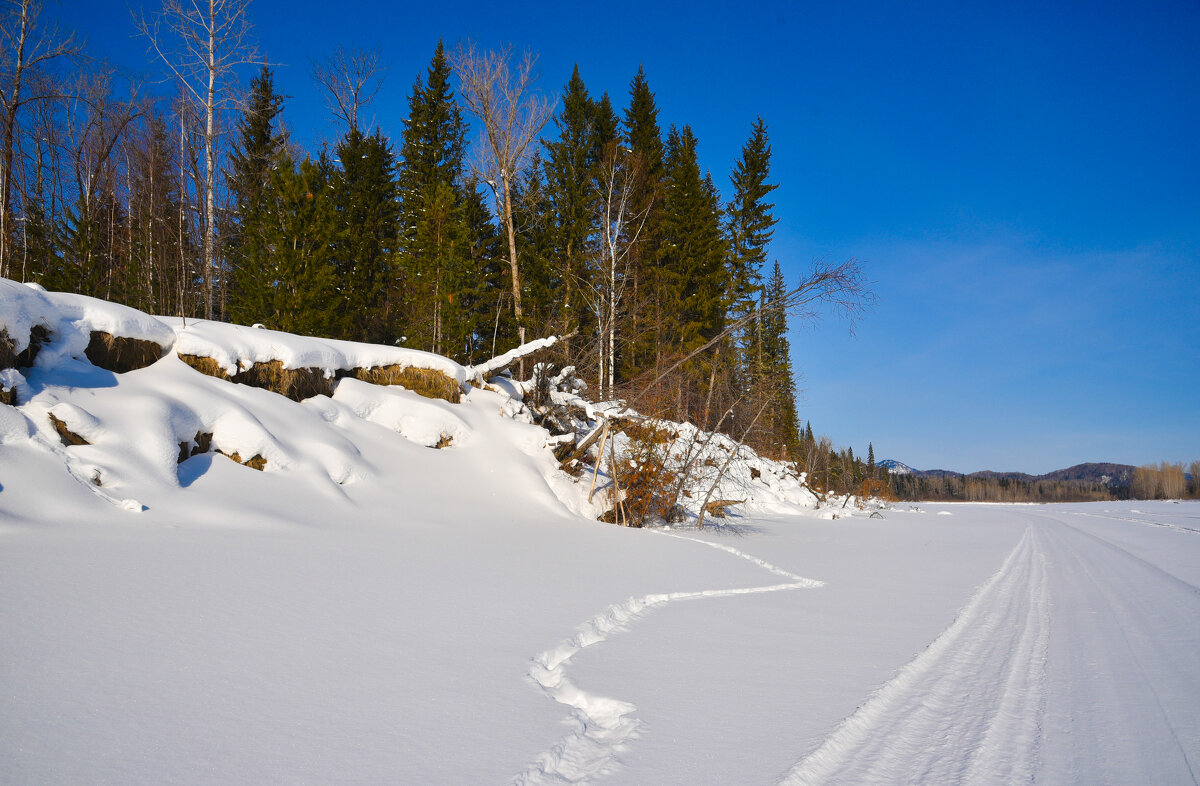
(370, 609)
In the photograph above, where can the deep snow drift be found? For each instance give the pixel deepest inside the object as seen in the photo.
(368, 608)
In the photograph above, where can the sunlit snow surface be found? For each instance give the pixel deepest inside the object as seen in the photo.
(370, 609)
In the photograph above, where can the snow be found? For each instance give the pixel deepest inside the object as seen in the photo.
(236, 348)
(373, 608)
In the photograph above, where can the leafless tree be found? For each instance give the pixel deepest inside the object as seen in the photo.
(25, 47)
(202, 42)
(513, 116)
(620, 225)
(350, 79)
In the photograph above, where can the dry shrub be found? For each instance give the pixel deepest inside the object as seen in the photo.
(294, 383)
(8, 396)
(67, 436)
(120, 353)
(649, 483)
(254, 462)
(301, 383)
(643, 431)
(444, 441)
(426, 382)
(206, 366)
(718, 508)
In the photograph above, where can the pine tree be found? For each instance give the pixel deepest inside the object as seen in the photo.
(368, 214)
(256, 152)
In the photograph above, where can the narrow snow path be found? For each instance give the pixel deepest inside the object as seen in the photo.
(601, 726)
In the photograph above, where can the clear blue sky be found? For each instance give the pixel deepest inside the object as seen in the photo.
(1021, 181)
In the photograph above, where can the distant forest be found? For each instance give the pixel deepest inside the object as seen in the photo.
(1085, 483)
(570, 216)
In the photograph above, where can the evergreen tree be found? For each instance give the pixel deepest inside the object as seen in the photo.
(258, 148)
(368, 219)
(690, 278)
(433, 238)
(750, 225)
(294, 288)
(644, 138)
(568, 167)
(777, 380)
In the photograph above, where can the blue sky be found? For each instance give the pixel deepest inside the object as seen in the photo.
(1021, 182)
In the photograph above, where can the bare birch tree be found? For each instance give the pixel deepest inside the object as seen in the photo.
(350, 79)
(620, 226)
(25, 46)
(202, 42)
(512, 116)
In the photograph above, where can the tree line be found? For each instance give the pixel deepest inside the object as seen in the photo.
(1162, 481)
(568, 216)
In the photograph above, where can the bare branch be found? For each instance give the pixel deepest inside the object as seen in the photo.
(351, 78)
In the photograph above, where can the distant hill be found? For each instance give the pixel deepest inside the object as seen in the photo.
(1111, 475)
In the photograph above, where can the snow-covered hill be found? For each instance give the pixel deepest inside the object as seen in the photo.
(313, 415)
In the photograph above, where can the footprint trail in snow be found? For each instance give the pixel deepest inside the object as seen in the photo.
(601, 726)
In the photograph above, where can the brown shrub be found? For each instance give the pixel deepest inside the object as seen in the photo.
(294, 383)
(717, 508)
(254, 462)
(301, 383)
(120, 353)
(8, 396)
(67, 436)
(426, 382)
(206, 366)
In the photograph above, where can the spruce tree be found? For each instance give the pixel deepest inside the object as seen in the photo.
(295, 287)
(365, 195)
(257, 149)
(690, 275)
(749, 224)
(644, 138)
(568, 167)
(776, 380)
(433, 248)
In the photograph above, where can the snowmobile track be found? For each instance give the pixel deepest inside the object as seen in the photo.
(969, 707)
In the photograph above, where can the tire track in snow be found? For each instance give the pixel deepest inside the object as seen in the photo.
(601, 726)
(968, 708)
